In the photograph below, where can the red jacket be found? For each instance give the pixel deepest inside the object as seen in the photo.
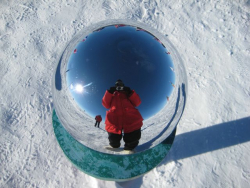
(122, 114)
(98, 118)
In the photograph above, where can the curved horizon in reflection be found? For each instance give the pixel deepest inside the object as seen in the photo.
(123, 52)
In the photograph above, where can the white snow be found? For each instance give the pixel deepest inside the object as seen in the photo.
(211, 148)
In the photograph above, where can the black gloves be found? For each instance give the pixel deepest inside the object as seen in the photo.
(112, 90)
(128, 90)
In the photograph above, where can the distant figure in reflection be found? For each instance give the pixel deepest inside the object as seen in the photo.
(122, 116)
(98, 119)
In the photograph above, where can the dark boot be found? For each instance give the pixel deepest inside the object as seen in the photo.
(131, 139)
(114, 140)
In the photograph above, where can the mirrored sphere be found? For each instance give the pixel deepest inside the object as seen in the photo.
(101, 54)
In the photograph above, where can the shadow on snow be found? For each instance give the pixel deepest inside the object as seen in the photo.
(202, 141)
(210, 139)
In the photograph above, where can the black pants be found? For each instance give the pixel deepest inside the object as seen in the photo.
(97, 123)
(131, 139)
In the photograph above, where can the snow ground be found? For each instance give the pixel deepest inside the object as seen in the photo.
(212, 145)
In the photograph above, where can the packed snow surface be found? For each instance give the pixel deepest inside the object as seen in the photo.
(211, 148)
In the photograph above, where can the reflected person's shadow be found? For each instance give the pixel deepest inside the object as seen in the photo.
(209, 139)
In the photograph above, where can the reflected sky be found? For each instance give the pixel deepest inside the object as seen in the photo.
(120, 52)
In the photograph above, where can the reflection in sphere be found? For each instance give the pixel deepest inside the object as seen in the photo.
(101, 54)
(127, 53)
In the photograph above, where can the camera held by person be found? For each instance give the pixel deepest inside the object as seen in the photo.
(119, 86)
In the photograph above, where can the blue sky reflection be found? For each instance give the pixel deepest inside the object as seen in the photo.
(127, 53)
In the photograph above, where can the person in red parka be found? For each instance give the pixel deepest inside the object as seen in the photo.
(98, 119)
(122, 116)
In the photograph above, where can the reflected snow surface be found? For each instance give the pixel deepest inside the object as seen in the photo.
(100, 55)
